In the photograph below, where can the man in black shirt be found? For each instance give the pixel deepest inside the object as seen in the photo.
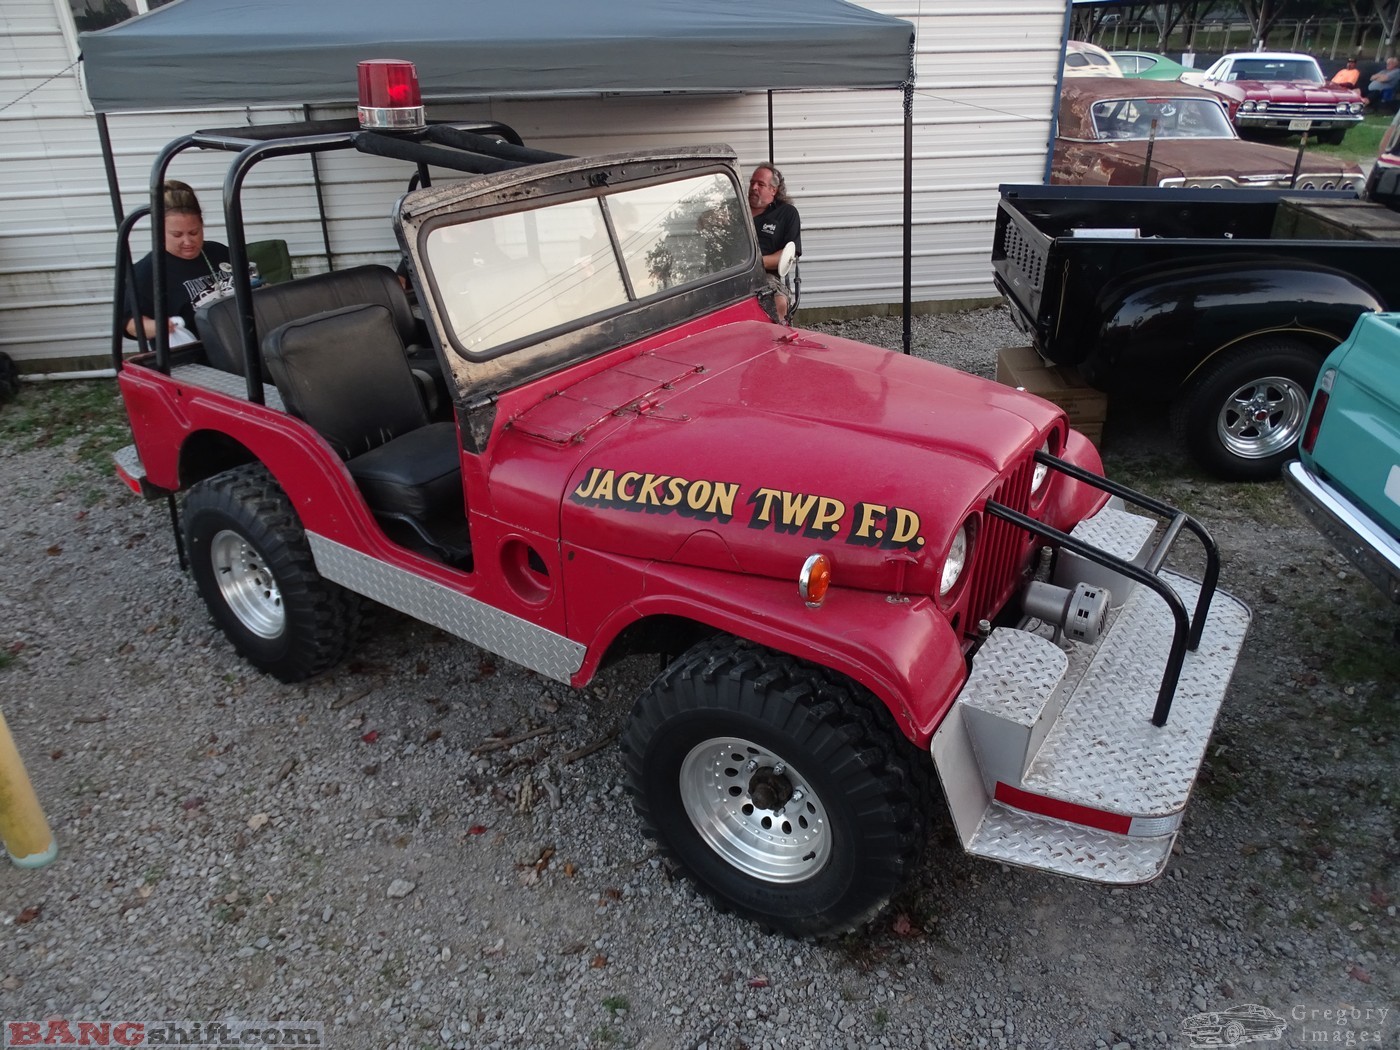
(776, 222)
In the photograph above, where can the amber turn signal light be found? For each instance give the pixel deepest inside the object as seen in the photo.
(814, 580)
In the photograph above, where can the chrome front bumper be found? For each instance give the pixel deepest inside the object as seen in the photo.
(1374, 552)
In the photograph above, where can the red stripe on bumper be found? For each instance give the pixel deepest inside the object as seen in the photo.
(1059, 810)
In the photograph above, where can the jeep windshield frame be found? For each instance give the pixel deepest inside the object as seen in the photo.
(529, 271)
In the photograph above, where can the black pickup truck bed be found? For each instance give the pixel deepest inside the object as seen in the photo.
(1223, 302)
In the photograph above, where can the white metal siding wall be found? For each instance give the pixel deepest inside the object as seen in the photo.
(984, 90)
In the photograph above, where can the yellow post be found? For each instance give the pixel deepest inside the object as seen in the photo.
(23, 827)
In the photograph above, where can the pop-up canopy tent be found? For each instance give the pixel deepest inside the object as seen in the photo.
(204, 53)
(213, 53)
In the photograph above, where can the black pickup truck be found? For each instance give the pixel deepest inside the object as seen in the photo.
(1222, 302)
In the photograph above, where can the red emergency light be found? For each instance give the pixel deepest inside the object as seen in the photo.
(389, 96)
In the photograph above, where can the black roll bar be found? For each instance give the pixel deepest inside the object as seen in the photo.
(1187, 632)
(124, 305)
(478, 149)
(379, 145)
(475, 142)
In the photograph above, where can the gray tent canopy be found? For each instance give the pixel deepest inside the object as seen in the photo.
(208, 54)
(211, 53)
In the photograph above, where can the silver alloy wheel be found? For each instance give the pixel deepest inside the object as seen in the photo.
(1263, 417)
(246, 584)
(784, 843)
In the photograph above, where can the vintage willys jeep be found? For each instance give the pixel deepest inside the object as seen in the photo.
(592, 439)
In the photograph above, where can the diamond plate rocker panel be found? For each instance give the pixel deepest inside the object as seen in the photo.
(226, 383)
(483, 625)
(1103, 751)
(1026, 840)
(128, 461)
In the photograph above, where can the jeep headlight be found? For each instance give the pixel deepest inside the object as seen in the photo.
(1343, 107)
(955, 562)
(1356, 107)
(1246, 107)
(1041, 471)
(1261, 106)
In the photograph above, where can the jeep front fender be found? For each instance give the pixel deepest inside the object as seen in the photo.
(904, 651)
(1159, 328)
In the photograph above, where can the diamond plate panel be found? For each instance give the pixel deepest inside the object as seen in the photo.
(1115, 532)
(1103, 751)
(483, 625)
(226, 383)
(1030, 841)
(128, 461)
(1013, 675)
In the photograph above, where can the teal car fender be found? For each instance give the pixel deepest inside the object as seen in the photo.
(1347, 477)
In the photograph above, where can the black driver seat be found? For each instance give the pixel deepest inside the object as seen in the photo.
(344, 373)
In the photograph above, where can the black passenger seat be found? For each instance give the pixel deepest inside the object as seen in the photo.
(344, 372)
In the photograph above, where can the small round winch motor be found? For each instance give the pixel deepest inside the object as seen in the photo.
(1080, 614)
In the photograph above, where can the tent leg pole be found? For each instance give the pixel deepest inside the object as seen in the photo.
(320, 197)
(908, 215)
(109, 162)
(770, 126)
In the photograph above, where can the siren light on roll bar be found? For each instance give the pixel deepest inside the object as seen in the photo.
(389, 96)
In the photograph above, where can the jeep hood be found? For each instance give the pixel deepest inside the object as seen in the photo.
(748, 447)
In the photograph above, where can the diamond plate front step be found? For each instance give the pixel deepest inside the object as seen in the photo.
(1049, 758)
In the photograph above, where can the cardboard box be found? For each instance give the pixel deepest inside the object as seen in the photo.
(1087, 408)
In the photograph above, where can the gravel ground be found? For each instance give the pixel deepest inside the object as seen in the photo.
(368, 853)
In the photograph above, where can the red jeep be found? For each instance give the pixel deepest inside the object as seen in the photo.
(591, 439)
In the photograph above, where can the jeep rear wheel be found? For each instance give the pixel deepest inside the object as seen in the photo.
(253, 566)
(778, 787)
(1241, 418)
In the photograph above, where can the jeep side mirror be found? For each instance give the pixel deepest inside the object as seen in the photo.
(787, 259)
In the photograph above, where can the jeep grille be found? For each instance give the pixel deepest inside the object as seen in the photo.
(1001, 549)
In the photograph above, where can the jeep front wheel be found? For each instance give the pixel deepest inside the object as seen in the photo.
(254, 570)
(777, 786)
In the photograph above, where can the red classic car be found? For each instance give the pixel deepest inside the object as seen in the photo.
(1107, 137)
(1278, 91)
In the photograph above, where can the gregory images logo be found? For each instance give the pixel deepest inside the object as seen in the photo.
(1235, 1026)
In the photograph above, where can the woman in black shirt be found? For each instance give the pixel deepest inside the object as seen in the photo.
(191, 263)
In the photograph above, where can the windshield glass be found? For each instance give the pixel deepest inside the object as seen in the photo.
(1177, 118)
(508, 277)
(1275, 69)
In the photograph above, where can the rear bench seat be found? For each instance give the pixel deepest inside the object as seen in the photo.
(274, 305)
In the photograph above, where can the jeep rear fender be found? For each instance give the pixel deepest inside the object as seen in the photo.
(1161, 327)
(904, 651)
(185, 435)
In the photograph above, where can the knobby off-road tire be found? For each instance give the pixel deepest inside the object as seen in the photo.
(253, 566)
(717, 742)
(1241, 418)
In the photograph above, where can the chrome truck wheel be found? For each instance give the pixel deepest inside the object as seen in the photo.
(782, 791)
(1241, 418)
